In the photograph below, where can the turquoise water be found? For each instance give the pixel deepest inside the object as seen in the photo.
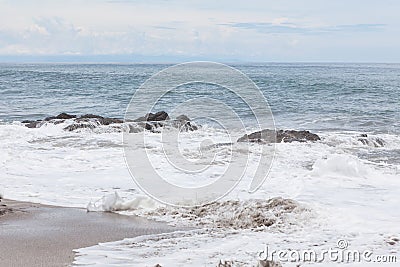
(323, 97)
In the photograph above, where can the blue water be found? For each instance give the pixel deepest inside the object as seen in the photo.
(323, 97)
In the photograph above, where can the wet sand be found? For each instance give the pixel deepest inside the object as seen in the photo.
(40, 235)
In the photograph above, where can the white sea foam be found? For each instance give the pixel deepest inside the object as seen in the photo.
(346, 191)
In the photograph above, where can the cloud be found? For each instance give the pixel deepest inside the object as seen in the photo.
(291, 28)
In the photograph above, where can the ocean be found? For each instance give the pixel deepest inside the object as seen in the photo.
(323, 97)
(348, 186)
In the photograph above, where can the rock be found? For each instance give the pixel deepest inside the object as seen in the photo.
(108, 121)
(33, 124)
(159, 116)
(150, 122)
(62, 116)
(225, 263)
(184, 124)
(371, 141)
(286, 136)
(77, 126)
(100, 119)
(289, 136)
(264, 136)
(135, 128)
(91, 116)
(267, 263)
(182, 118)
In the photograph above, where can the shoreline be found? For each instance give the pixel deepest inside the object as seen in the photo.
(41, 235)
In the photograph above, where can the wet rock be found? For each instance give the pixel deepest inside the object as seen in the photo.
(62, 116)
(371, 141)
(77, 126)
(183, 123)
(225, 263)
(90, 116)
(135, 128)
(33, 124)
(159, 116)
(151, 122)
(285, 136)
(100, 119)
(267, 263)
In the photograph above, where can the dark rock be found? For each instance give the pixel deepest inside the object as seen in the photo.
(100, 119)
(264, 136)
(184, 124)
(62, 116)
(33, 124)
(81, 122)
(135, 128)
(91, 116)
(371, 141)
(289, 136)
(77, 126)
(268, 263)
(108, 121)
(286, 136)
(159, 116)
(182, 118)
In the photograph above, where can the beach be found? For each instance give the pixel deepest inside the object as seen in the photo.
(42, 235)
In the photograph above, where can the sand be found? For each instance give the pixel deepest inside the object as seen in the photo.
(41, 235)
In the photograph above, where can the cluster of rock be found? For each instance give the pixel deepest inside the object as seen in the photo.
(371, 141)
(287, 136)
(150, 121)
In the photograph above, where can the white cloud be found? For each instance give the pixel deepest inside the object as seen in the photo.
(251, 30)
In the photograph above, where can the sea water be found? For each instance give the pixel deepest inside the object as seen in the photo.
(352, 188)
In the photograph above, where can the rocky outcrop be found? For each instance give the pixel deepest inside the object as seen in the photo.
(279, 136)
(32, 124)
(371, 141)
(101, 120)
(183, 123)
(77, 126)
(62, 116)
(151, 122)
(159, 116)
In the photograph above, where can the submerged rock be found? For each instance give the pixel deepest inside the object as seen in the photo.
(268, 263)
(371, 141)
(285, 136)
(77, 126)
(32, 124)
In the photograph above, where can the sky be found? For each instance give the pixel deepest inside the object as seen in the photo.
(218, 30)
